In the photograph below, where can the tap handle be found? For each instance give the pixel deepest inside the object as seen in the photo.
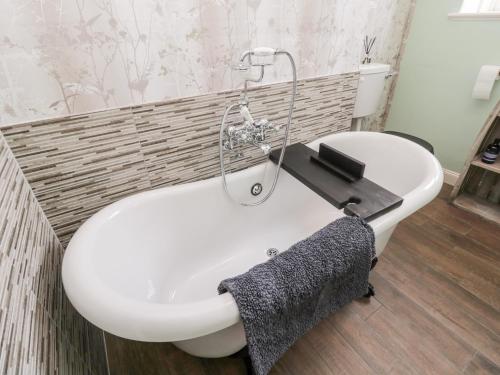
(266, 148)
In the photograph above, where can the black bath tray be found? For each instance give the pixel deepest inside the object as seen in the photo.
(337, 178)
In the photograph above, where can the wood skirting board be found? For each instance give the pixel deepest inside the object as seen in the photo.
(450, 177)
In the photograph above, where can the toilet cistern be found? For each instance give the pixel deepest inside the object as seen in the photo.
(370, 88)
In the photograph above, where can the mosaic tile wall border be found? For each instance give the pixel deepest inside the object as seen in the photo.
(81, 163)
(40, 332)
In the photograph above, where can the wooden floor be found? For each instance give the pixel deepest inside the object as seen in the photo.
(436, 311)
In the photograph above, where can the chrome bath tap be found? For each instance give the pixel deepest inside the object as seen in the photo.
(245, 131)
(250, 132)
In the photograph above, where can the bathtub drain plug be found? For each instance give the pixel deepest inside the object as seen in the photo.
(256, 189)
(272, 252)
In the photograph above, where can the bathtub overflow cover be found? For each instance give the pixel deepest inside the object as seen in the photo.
(256, 189)
(272, 252)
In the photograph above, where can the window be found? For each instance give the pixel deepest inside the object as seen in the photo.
(478, 9)
(480, 6)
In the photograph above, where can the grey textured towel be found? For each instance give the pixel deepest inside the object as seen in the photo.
(281, 299)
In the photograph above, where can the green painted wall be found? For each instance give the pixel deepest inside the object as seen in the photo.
(433, 98)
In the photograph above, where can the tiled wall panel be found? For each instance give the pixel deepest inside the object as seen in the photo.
(35, 318)
(79, 164)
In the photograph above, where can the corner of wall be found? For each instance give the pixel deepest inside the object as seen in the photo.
(383, 112)
(32, 297)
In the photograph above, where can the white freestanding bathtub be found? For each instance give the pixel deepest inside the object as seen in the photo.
(147, 267)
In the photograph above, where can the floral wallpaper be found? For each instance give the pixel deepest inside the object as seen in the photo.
(71, 56)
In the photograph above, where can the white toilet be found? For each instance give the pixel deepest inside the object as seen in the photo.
(371, 85)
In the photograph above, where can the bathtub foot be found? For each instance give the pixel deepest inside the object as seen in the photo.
(371, 291)
(243, 354)
(248, 365)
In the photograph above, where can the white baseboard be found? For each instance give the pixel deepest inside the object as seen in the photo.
(450, 177)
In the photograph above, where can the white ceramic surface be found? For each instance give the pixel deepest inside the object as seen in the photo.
(370, 88)
(147, 267)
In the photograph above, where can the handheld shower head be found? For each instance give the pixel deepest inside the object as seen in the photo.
(259, 56)
(264, 51)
